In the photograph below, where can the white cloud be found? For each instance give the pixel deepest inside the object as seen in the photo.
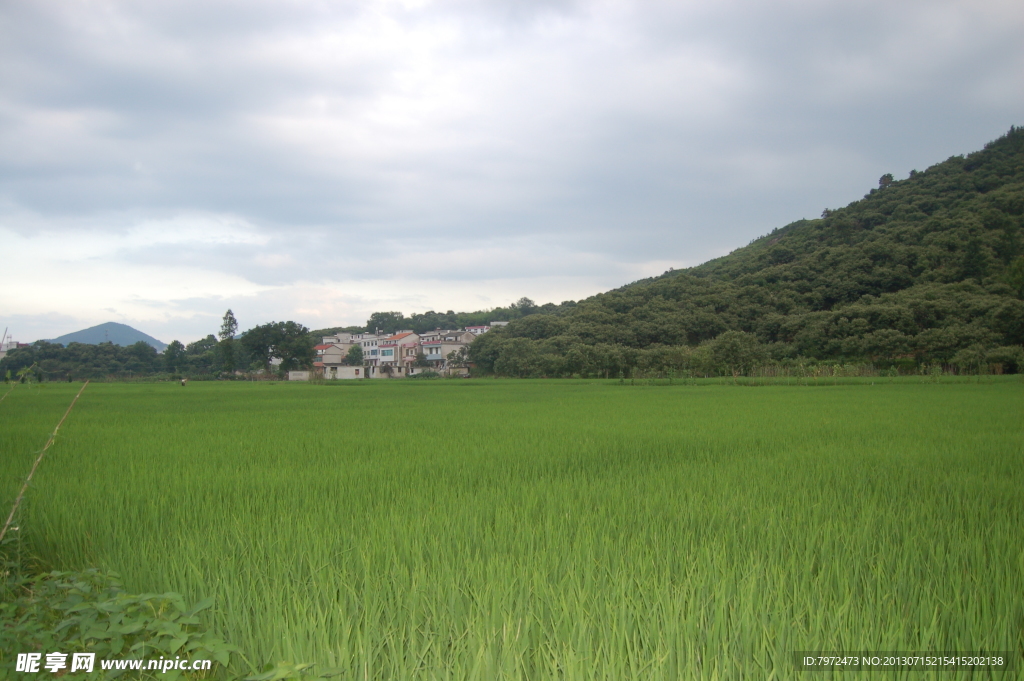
(313, 161)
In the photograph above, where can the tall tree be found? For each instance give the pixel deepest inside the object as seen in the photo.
(259, 342)
(525, 306)
(228, 329)
(735, 352)
(457, 358)
(354, 356)
(288, 341)
(295, 346)
(229, 326)
(201, 355)
(385, 322)
(174, 357)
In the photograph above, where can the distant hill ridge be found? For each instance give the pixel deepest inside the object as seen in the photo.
(118, 334)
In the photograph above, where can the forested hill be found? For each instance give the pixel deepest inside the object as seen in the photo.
(923, 270)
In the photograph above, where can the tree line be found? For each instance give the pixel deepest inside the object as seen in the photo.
(223, 355)
(421, 322)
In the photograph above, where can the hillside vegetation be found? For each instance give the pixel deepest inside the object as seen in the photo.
(925, 270)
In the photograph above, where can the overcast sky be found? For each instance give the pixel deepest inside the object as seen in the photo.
(161, 162)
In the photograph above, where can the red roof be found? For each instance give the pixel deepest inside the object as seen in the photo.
(398, 336)
(324, 347)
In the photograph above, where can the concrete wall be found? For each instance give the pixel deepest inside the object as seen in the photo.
(343, 372)
(375, 372)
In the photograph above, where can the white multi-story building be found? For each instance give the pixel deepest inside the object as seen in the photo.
(399, 349)
(368, 342)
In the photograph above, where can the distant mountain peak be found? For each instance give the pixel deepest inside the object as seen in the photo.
(113, 332)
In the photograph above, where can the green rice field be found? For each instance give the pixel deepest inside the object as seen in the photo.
(488, 529)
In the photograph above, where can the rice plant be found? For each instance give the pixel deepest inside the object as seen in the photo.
(546, 530)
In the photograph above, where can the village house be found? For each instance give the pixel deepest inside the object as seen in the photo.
(330, 362)
(340, 338)
(331, 353)
(437, 345)
(368, 341)
(395, 355)
(394, 349)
